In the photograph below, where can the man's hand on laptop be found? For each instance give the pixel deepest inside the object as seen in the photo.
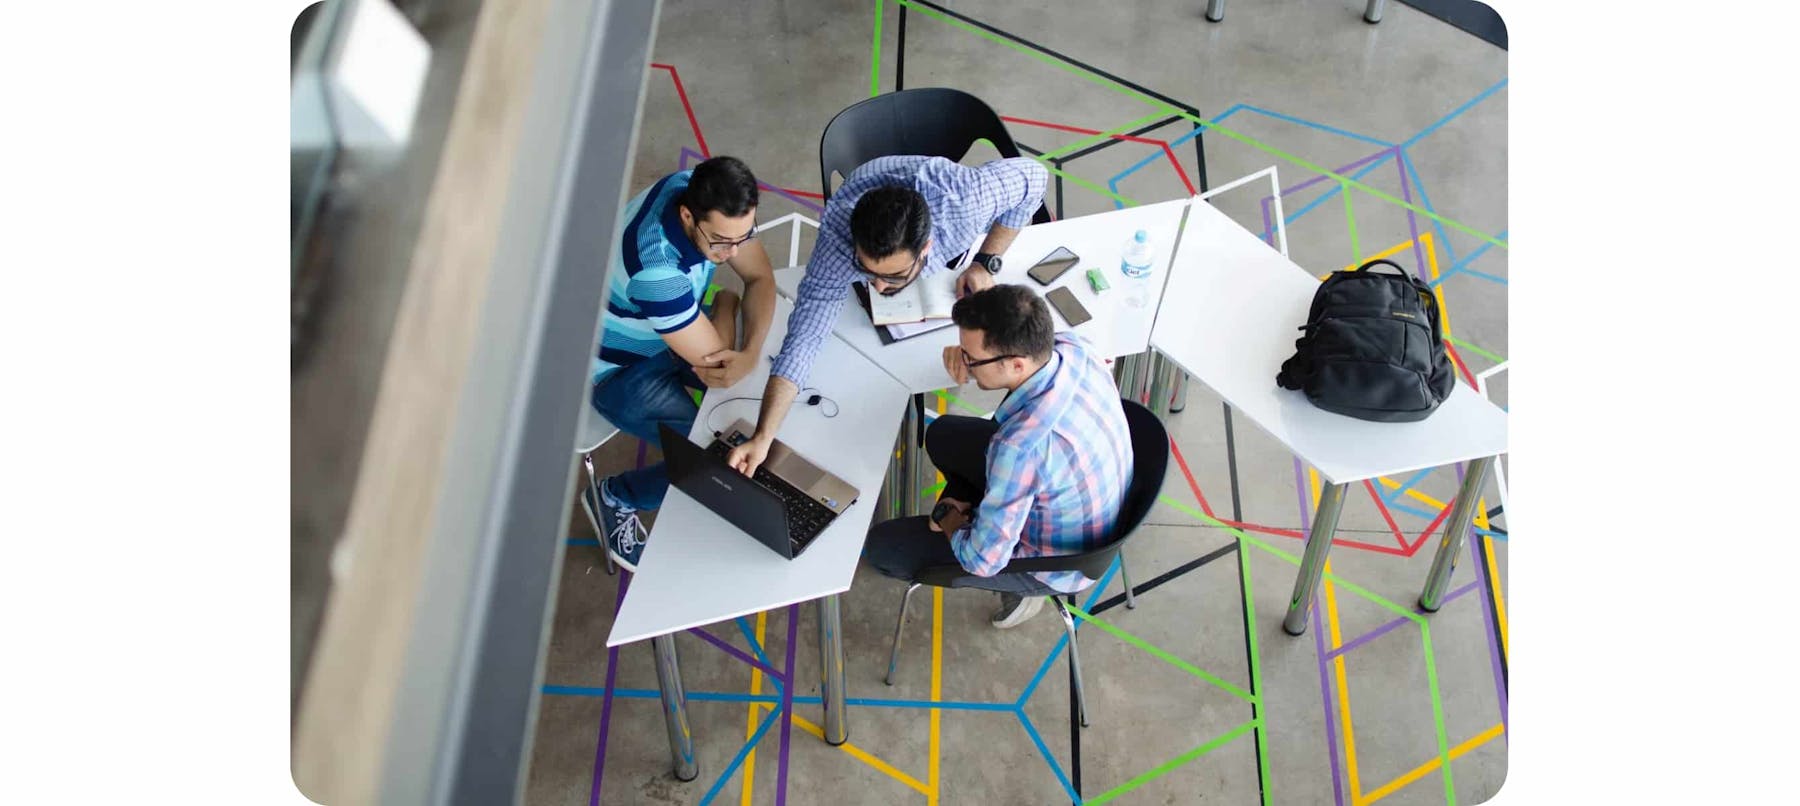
(725, 368)
(746, 458)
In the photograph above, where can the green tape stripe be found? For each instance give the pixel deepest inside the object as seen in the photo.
(1042, 57)
(1350, 218)
(960, 404)
(1210, 126)
(932, 490)
(1262, 746)
(875, 55)
(1128, 202)
(1172, 764)
(1291, 559)
(1159, 652)
(1105, 135)
(1342, 180)
(1476, 350)
(1437, 714)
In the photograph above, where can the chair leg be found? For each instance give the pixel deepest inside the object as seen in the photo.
(1125, 576)
(1074, 658)
(894, 654)
(587, 461)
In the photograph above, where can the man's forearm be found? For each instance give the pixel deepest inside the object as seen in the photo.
(759, 312)
(999, 237)
(778, 397)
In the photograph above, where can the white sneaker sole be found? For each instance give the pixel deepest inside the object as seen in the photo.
(1022, 614)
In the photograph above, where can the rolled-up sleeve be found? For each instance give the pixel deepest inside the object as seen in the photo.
(986, 546)
(1019, 183)
(820, 297)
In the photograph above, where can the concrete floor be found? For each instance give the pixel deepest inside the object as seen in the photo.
(1300, 85)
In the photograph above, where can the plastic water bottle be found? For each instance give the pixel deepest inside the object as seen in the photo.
(1137, 265)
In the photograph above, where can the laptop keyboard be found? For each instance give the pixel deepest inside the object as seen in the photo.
(806, 517)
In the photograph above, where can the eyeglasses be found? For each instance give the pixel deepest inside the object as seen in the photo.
(721, 245)
(970, 362)
(899, 284)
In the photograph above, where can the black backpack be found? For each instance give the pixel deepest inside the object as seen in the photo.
(1372, 347)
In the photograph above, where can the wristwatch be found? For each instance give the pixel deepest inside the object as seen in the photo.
(988, 261)
(942, 511)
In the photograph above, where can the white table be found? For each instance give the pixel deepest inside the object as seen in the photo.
(1099, 240)
(698, 569)
(1230, 317)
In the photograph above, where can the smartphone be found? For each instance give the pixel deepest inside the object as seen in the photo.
(1063, 300)
(1053, 265)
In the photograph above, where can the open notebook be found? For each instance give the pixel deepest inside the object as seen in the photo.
(924, 299)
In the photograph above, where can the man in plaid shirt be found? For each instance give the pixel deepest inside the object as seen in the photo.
(894, 220)
(1047, 476)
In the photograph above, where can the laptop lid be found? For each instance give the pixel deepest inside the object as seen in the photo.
(729, 494)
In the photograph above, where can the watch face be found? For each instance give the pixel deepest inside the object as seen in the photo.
(993, 265)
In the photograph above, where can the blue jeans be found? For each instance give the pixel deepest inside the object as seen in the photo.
(637, 399)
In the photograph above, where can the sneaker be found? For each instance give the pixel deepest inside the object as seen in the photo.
(1015, 610)
(618, 526)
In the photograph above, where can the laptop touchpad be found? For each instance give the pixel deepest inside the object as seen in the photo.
(797, 471)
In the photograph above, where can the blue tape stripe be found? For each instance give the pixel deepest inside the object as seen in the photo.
(756, 647)
(1416, 478)
(1467, 105)
(1443, 235)
(1044, 750)
(742, 753)
(1320, 126)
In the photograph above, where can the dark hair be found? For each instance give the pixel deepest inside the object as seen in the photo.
(724, 184)
(889, 219)
(1013, 320)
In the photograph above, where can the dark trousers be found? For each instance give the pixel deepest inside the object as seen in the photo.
(901, 547)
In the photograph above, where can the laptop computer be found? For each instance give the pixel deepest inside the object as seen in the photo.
(785, 506)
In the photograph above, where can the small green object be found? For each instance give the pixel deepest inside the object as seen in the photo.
(1097, 280)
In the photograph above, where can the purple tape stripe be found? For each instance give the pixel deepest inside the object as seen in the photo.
(787, 707)
(1385, 628)
(1493, 630)
(738, 653)
(612, 670)
(1318, 631)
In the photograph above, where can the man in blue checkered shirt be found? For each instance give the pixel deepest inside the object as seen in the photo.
(1045, 477)
(894, 220)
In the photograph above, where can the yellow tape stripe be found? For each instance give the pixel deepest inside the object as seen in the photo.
(1426, 768)
(762, 619)
(937, 687)
(860, 755)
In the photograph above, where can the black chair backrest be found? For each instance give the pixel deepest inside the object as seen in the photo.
(930, 121)
(1150, 463)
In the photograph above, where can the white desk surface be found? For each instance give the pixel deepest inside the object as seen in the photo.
(1099, 240)
(1230, 316)
(697, 569)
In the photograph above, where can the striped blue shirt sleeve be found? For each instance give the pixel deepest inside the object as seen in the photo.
(986, 545)
(666, 296)
(1019, 183)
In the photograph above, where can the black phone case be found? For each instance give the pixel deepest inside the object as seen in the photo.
(1070, 308)
(1074, 260)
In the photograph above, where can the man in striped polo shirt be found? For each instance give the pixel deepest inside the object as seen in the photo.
(656, 341)
(1047, 476)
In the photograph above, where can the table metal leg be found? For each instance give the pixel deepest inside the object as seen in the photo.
(1372, 12)
(831, 670)
(674, 701)
(1215, 10)
(1162, 383)
(1180, 400)
(1462, 514)
(1312, 564)
(914, 462)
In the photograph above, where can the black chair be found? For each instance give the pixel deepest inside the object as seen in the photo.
(931, 121)
(1150, 462)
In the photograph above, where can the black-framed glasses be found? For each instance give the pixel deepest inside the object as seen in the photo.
(899, 284)
(970, 362)
(713, 242)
